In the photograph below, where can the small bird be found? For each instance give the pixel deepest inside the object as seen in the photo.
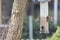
(49, 18)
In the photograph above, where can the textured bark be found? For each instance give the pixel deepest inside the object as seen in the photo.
(16, 24)
(0, 12)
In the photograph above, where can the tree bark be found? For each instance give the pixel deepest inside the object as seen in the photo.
(16, 21)
(0, 12)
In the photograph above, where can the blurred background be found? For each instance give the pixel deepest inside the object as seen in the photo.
(6, 14)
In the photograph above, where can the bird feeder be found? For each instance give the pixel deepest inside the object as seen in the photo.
(44, 0)
(44, 27)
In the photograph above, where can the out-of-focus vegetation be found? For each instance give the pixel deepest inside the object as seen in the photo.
(53, 35)
(56, 35)
(36, 29)
(54, 31)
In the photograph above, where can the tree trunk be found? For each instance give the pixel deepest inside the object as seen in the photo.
(0, 12)
(16, 24)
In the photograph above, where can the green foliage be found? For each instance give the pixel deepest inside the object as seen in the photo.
(36, 29)
(53, 35)
(25, 34)
(56, 35)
